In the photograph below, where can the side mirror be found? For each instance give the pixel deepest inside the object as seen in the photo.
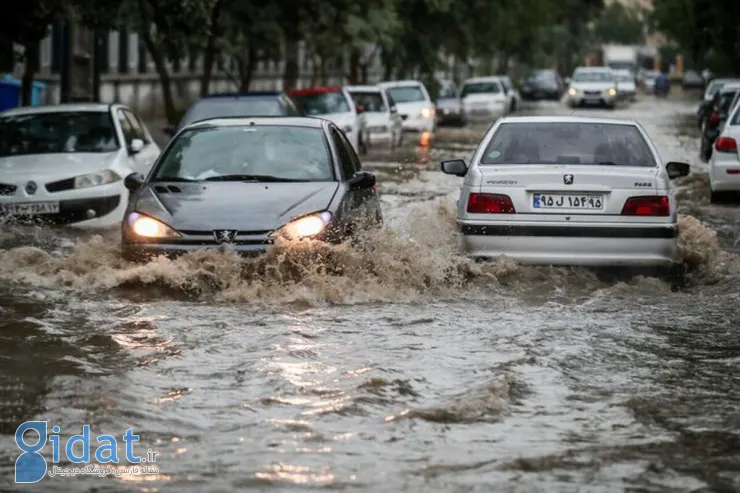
(135, 146)
(133, 182)
(169, 130)
(677, 170)
(394, 109)
(455, 167)
(362, 180)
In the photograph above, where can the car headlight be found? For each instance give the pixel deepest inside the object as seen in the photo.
(307, 226)
(96, 179)
(612, 92)
(427, 112)
(572, 91)
(148, 227)
(347, 129)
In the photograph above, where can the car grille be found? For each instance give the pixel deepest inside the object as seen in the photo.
(6, 189)
(61, 185)
(592, 93)
(191, 237)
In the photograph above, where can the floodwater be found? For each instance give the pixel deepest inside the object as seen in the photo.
(394, 365)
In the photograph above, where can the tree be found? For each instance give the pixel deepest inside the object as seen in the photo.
(620, 25)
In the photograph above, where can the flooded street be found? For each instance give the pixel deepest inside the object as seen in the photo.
(391, 365)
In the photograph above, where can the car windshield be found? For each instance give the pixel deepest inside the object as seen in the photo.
(480, 88)
(371, 101)
(287, 153)
(624, 78)
(324, 103)
(568, 143)
(227, 107)
(447, 91)
(593, 77)
(58, 132)
(545, 76)
(407, 94)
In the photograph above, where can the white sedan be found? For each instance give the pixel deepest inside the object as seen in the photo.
(66, 163)
(724, 164)
(569, 191)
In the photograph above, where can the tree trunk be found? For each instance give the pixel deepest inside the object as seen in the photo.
(29, 72)
(291, 73)
(164, 75)
(247, 64)
(354, 66)
(209, 56)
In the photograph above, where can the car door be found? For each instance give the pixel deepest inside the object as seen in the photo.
(366, 201)
(351, 200)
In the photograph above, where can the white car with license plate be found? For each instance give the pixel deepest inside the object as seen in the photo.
(381, 121)
(568, 191)
(724, 164)
(592, 86)
(66, 164)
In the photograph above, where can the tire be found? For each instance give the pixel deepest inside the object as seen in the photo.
(716, 197)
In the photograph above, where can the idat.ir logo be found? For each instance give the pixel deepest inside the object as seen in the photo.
(31, 466)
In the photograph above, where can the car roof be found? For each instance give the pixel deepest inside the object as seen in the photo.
(731, 87)
(567, 119)
(592, 69)
(58, 108)
(365, 88)
(486, 78)
(401, 83)
(725, 80)
(245, 95)
(237, 121)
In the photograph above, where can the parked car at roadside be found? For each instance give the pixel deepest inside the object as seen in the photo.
(724, 163)
(722, 103)
(712, 88)
(66, 164)
(512, 93)
(414, 104)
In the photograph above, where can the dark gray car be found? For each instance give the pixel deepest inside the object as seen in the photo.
(238, 183)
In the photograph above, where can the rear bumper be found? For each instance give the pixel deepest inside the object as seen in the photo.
(719, 178)
(602, 245)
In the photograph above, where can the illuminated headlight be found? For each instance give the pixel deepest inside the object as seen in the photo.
(572, 91)
(148, 227)
(96, 179)
(347, 129)
(307, 226)
(612, 92)
(427, 112)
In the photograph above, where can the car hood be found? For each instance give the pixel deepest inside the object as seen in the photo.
(592, 86)
(50, 167)
(233, 205)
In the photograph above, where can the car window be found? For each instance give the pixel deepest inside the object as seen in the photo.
(568, 143)
(480, 88)
(407, 94)
(137, 128)
(356, 166)
(287, 152)
(228, 107)
(318, 102)
(58, 132)
(371, 101)
(725, 101)
(391, 101)
(345, 159)
(593, 77)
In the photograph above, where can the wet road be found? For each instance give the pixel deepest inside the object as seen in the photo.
(395, 365)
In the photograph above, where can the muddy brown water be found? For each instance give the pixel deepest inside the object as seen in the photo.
(392, 365)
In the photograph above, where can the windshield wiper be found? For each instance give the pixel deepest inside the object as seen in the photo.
(259, 178)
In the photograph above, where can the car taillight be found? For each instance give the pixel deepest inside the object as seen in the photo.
(647, 206)
(726, 144)
(490, 203)
(714, 118)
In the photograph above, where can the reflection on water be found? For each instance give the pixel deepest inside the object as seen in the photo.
(389, 364)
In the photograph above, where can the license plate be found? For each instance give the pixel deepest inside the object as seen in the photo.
(553, 201)
(29, 208)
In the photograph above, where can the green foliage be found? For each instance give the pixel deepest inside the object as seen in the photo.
(620, 25)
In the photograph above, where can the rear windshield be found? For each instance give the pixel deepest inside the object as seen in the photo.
(480, 88)
(371, 101)
(227, 107)
(58, 132)
(407, 94)
(285, 152)
(568, 143)
(593, 77)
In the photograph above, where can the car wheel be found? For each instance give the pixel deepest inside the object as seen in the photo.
(716, 197)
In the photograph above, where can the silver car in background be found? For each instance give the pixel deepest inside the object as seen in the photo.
(568, 191)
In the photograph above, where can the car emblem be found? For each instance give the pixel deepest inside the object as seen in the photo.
(224, 235)
(568, 179)
(31, 187)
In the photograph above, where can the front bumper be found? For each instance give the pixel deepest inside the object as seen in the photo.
(581, 99)
(445, 116)
(144, 252)
(594, 245)
(418, 124)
